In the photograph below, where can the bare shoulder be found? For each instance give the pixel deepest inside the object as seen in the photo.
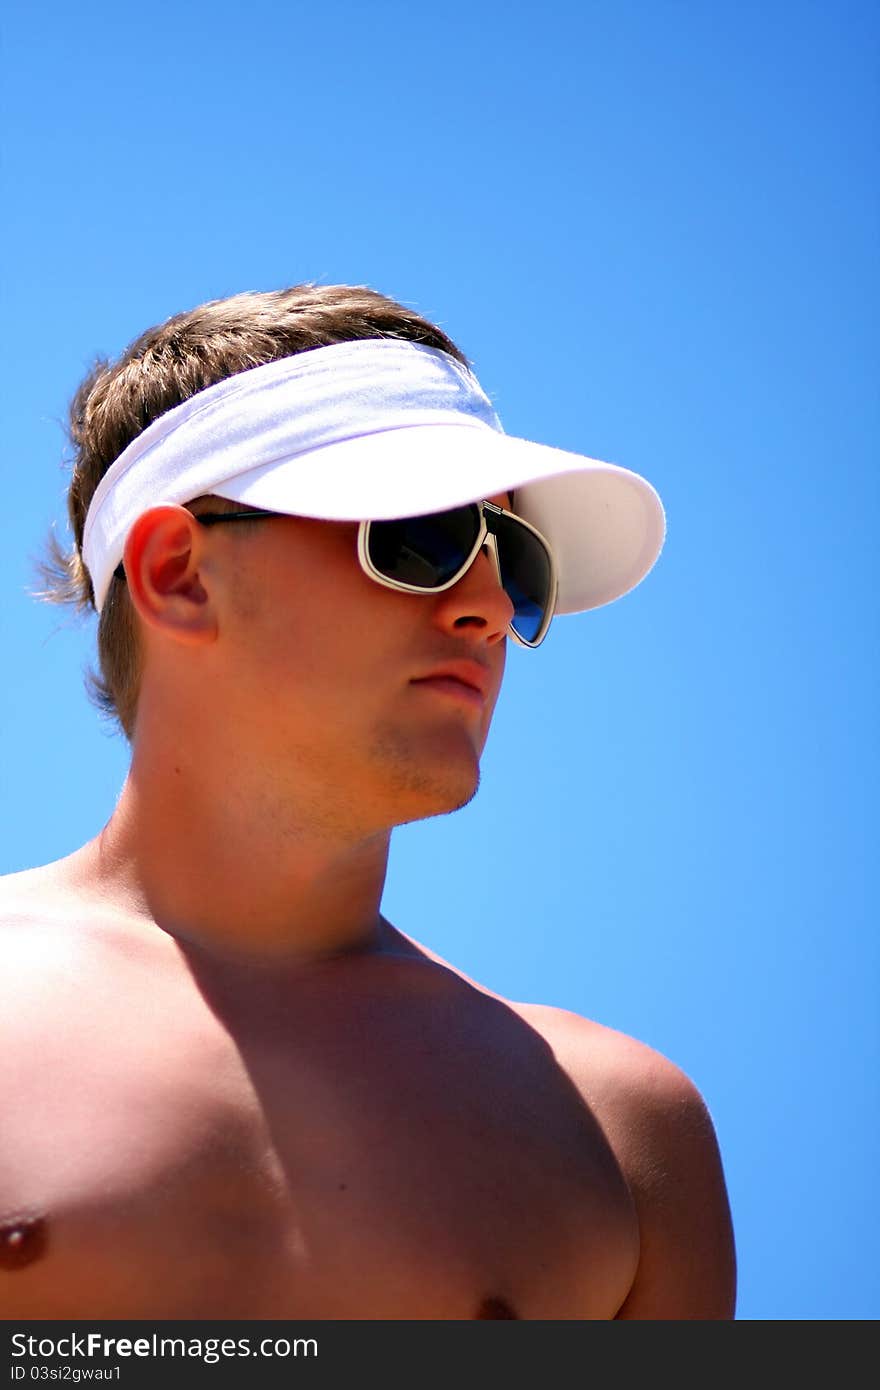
(58, 940)
(663, 1136)
(45, 889)
(27, 899)
(46, 896)
(39, 941)
(611, 1068)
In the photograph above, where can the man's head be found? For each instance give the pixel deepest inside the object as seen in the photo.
(166, 366)
(288, 627)
(311, 690)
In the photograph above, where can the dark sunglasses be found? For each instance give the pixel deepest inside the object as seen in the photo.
(427, 554)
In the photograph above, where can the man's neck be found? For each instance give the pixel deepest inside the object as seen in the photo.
(235, 875)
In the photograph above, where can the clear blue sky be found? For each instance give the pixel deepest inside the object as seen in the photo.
(654, 229)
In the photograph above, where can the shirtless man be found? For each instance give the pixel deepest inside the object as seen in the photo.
(231, 1088)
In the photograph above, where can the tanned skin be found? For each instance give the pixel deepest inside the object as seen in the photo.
(230, 1087)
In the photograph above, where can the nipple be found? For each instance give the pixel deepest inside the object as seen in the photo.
(496, 1308)
(23, 1239)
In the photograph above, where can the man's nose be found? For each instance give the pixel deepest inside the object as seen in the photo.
(478, 599)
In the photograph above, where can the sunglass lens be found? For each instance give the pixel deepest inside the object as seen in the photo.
(425, 551)
(525, 573)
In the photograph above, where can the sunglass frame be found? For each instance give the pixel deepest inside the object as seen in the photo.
(484, 536)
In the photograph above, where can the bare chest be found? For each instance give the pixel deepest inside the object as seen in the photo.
(377, 1163)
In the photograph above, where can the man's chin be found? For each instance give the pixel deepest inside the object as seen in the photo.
(425, 795)
(423, 782)
(440, 802)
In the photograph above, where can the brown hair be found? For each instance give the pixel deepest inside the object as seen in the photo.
(160, 369)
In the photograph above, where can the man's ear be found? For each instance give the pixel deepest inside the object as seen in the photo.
(163, 552)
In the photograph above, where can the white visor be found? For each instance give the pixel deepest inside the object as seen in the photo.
(374, 430)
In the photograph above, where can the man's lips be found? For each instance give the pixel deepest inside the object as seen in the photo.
(448, 685)
(467, 680)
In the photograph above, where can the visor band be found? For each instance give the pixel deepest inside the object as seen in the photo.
(271, 414)
(372, 430)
